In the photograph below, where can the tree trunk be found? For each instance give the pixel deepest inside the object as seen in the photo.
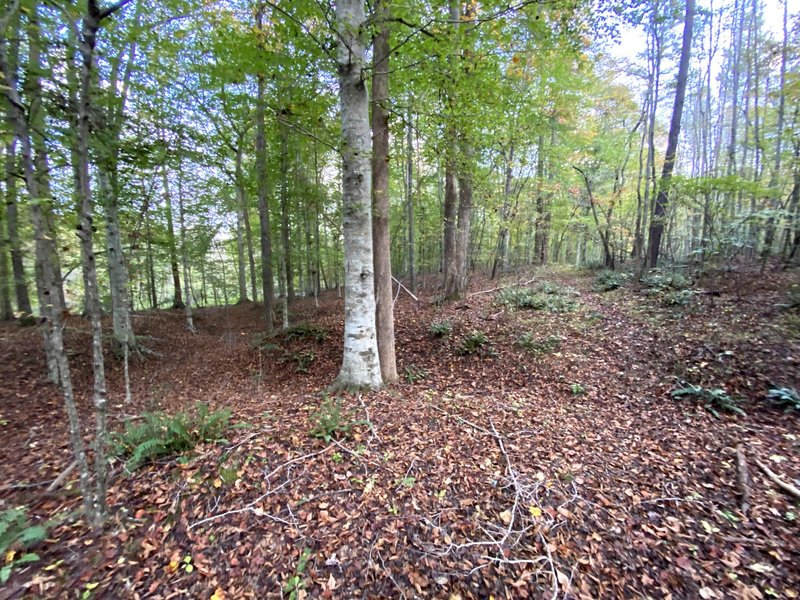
(184, 250)
(240, 210)
(171, 245)
(268, 286)
(775, 192)
(360, 362)
(88, 41)
(662, 200)
(381, 242)
(449, 263)
(286, 264)
(412, 267)
(14, 244)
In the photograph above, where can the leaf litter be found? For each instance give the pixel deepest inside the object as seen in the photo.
(569, 472)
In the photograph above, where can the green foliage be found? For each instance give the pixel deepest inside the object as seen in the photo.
(476, 342)
(792, 298)
(550, 288)
(555, 299)
(577, 389)
(657, 280)
(159, 434)
(609, 280)
(17, 535)
(537, 346)
(713, 399)
(784, 397)
(441, 328)
(301, 358)
(294, 585)
(307, 331)
(414, 373)
(678, 298)
(330, 421)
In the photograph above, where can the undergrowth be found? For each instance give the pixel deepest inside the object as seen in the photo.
(714, 399)
(17, 536)
(159, 434)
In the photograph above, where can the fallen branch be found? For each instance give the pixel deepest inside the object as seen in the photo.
(369, 421)
(743, 479)
(501, 287)
(61, 478)
(786, 487)
(405, 288)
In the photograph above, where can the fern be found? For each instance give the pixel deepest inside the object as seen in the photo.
(162, 435)
(16, 533)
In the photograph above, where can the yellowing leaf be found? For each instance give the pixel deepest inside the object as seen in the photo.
(218, 595)
(761, 568)
(189, 568)
(10, 555)
(535, 511)
(173, 565)
(217, 483)
(91, 586)
(505, 516)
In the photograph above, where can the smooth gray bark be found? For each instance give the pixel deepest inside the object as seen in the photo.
(360, 362)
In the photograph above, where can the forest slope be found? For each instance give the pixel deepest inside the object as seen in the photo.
(552, 461)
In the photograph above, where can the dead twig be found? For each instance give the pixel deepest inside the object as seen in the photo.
(406, 289)
(61, 478)
(501, 287)
(743, 481)
(786, 487)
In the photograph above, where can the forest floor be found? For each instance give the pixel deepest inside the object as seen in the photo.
(561, 470)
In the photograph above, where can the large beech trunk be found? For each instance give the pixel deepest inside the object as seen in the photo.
(360, 363)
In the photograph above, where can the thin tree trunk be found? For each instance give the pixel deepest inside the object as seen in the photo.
(286, 265)
(240, 210)
(381, 242)
(662, 200)
(775, 193)
(412, 266)
(184, 250)
(171, 245)
(88, 41)
(14, 244)
(360, 362)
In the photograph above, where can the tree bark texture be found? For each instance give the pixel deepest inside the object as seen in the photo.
(360, 362)
(381, 241)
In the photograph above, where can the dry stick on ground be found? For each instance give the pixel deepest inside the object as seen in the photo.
(405, 288)
(61, 478)
(743, 479)
(786, 487)
(369, 421)
(502, 287)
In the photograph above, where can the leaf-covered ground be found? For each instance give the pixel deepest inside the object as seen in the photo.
(560, 469)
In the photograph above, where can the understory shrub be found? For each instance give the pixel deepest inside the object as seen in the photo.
(608, 280)
(441, 328)
(301, 358)
(307, 330)
(787, 398)
(538, 346)
(476, 342)
(713, 399)
(159, 434)
(17, 536)
(413, 373)
(678, 298)
(331, 422)
(526, 298)
(657, 280)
